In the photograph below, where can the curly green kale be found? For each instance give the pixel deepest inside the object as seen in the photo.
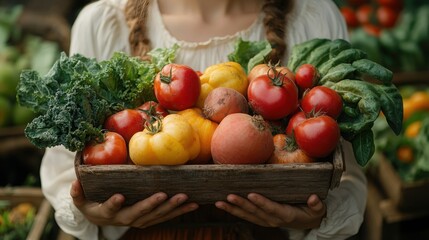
(74, 98)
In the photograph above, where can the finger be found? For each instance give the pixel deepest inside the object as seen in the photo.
(315, 204)
(264, 203)
(76, 192)
(188, 207)
(242, 208)
(110, 207)
(95, 212)
(129, 214)
(163, 211)
(240, 213)
(243, 203)
(167, 210)
(274, 213)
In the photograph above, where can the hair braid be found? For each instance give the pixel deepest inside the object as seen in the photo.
(275, 26)
(136, 12)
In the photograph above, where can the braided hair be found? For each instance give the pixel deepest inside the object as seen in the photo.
(136, 12)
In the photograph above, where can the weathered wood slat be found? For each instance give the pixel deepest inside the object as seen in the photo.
(407, 196)
(34, 196)
(205, 184)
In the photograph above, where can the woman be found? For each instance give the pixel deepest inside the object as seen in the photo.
(206, 32)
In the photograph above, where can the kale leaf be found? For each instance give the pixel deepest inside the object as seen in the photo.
(74, 98)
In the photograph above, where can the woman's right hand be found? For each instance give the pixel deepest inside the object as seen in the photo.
(150, 211)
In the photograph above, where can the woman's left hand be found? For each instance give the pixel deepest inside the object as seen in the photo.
(264, 212)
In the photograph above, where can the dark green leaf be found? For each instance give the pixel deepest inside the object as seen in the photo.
(250, 53)
(370, 70)
(363, 146)
(365, 99)
(391, 106)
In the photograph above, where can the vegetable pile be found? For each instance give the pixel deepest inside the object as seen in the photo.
(169, 114)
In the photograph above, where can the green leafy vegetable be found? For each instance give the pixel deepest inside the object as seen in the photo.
(365, 87)
(364, 146)
(78, 93)
(250, 53)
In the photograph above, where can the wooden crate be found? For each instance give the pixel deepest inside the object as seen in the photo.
(34, 196)
(19, 160)
(205, 184)
(7, 132)
(412, 196)
(405, 78)
(384, 221)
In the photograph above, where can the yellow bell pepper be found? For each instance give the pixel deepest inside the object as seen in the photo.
(205, 129)
(227, 74)
(170, 141)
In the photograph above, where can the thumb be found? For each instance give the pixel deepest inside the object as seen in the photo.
(315, 204)
(76, 192)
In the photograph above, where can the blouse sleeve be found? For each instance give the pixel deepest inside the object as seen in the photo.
(346, 203)
(97, 32)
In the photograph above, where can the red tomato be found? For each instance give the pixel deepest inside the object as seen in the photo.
(395, 4)
(126, 123)
(387, 16)
(151, 109)
(177, 87)
(324, 100)
(296, 119)
(363, 13)
(113, 150)
(317, 136)
(306, 76)
(349, 16)
(273, 97)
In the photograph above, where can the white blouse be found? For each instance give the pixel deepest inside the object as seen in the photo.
(101, 29)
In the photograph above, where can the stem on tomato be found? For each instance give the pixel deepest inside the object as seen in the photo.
(151, 112)
(102, 137)
(290, 143)
(155, 126)
(277, 80)
(273, 66)
(166, 78)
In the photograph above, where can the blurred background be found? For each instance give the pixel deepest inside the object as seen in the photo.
(394, 33)
(32, 36)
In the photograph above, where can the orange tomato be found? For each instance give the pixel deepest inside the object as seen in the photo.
(286, 151)
(264, 69)
(418, 101)
(405, 154)
(413, 129)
